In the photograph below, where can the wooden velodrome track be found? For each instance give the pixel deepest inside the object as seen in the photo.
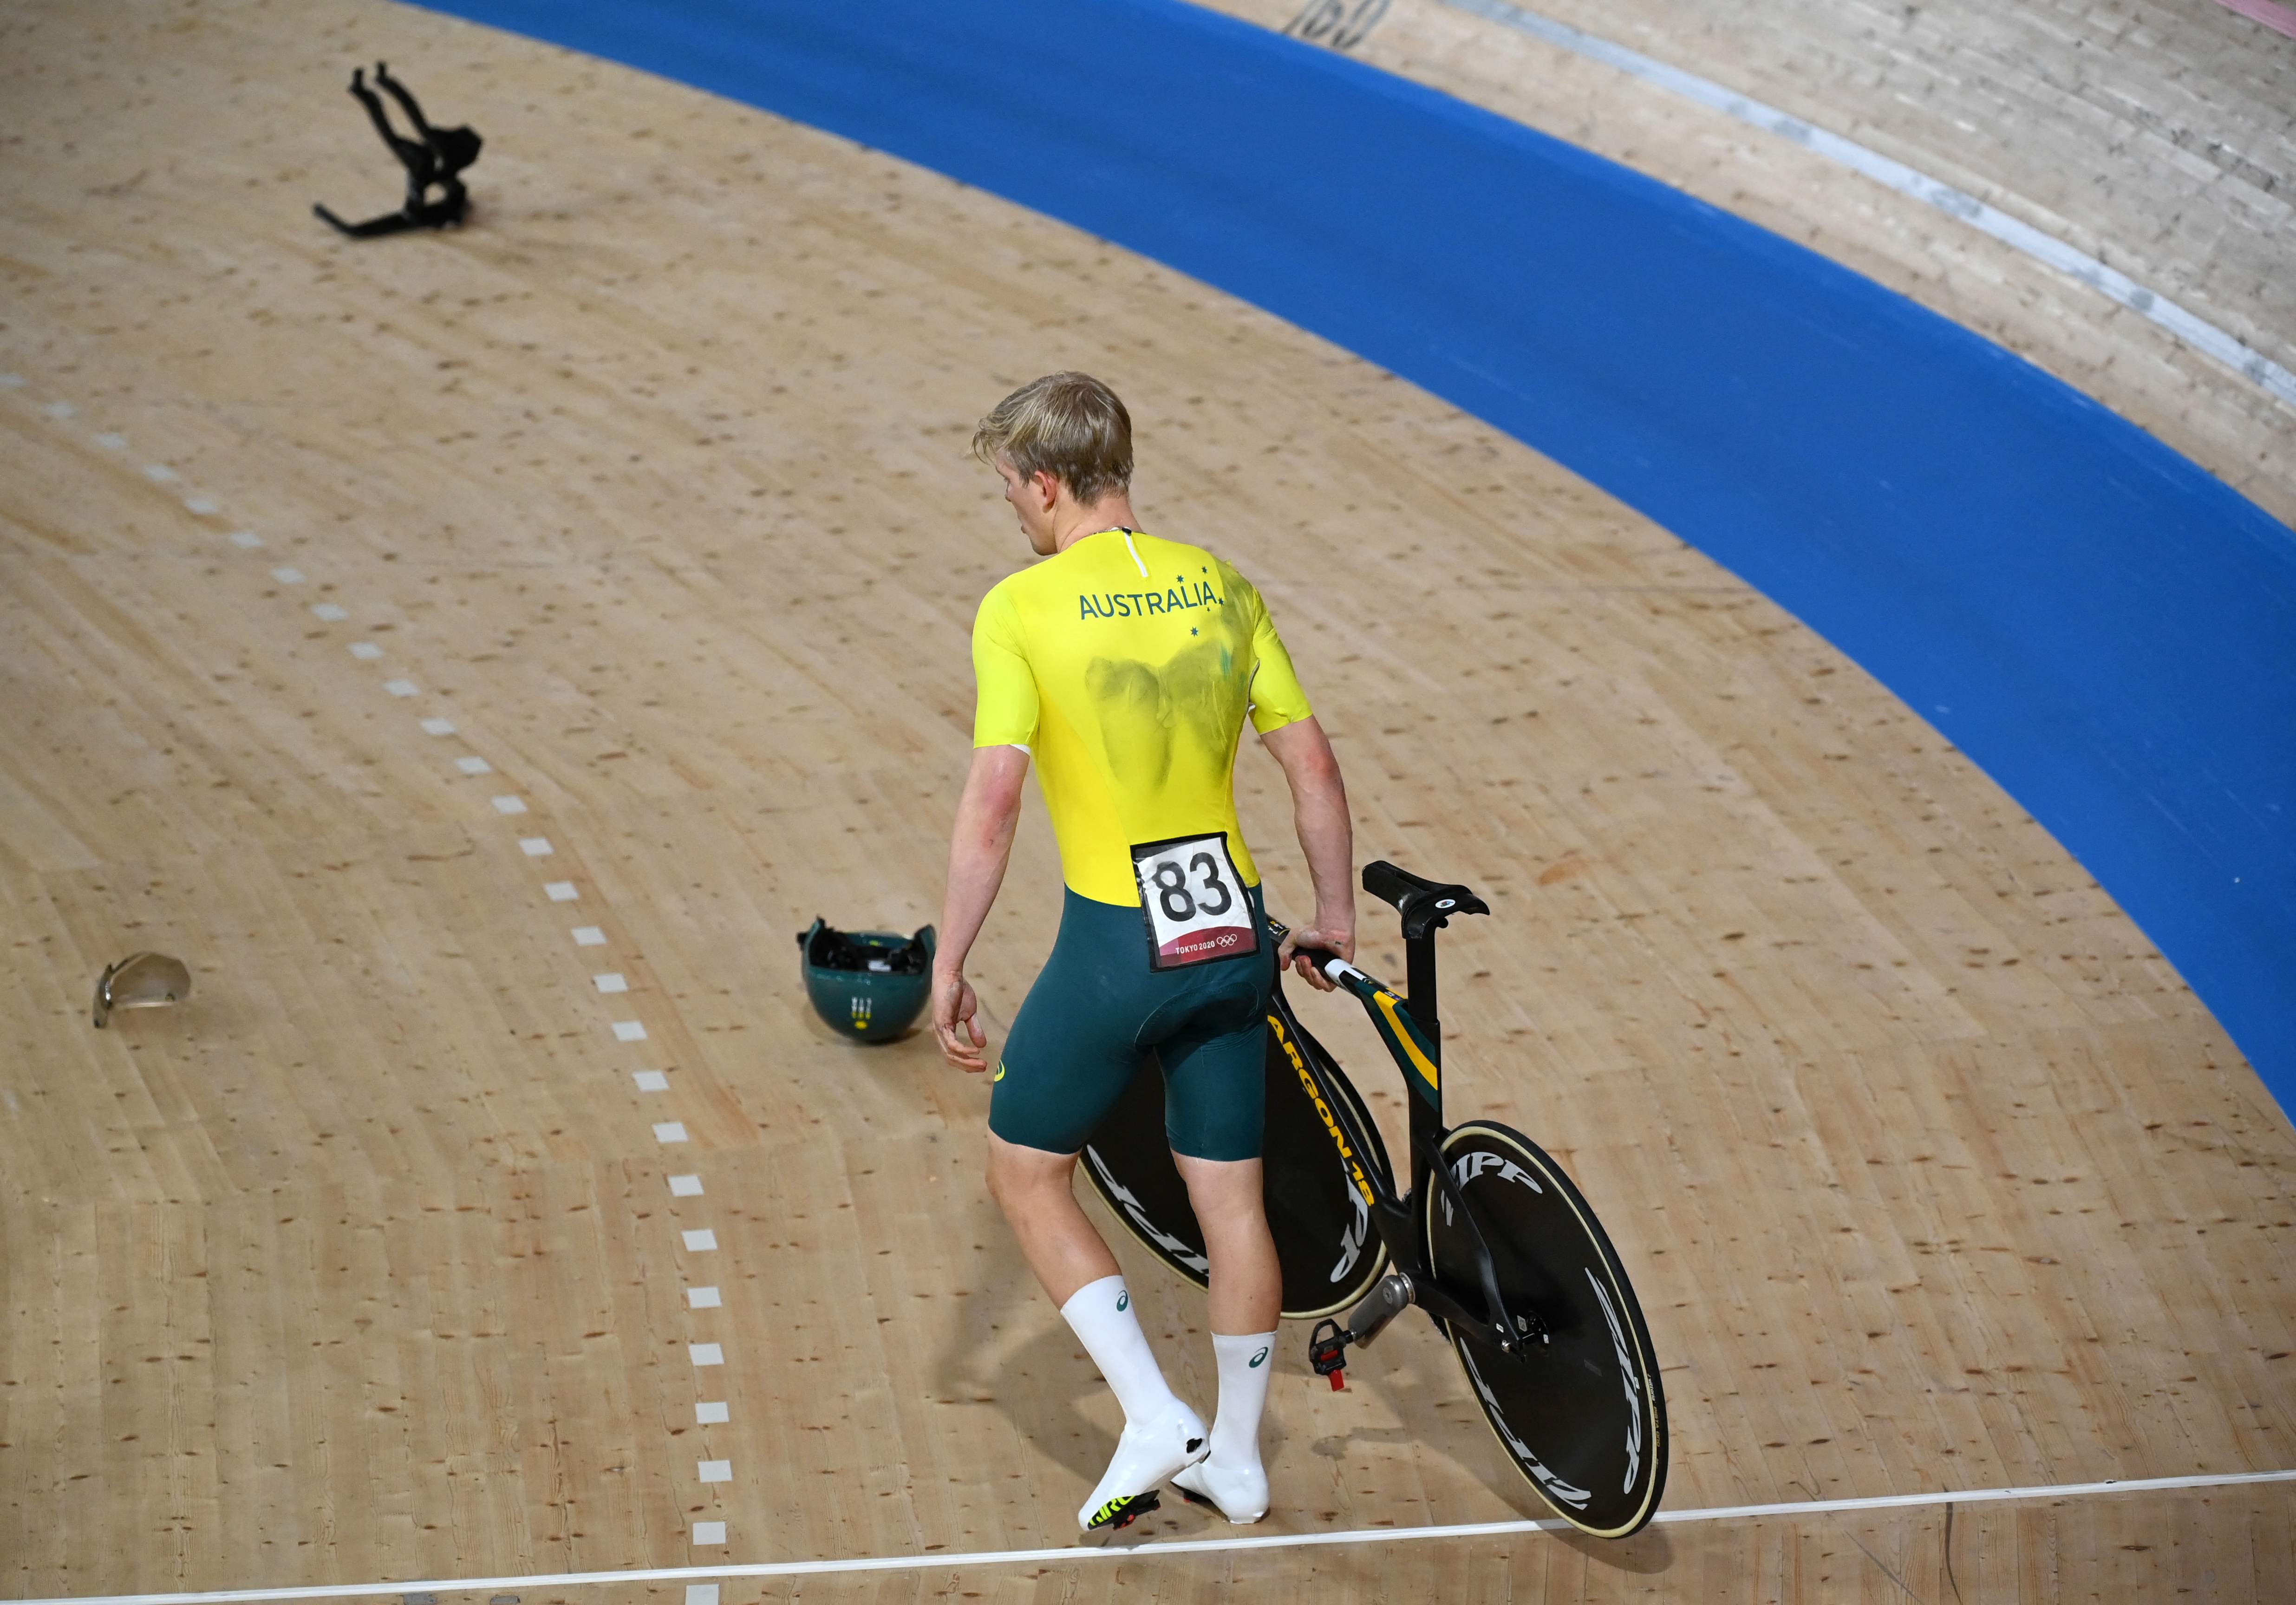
(366, 1267)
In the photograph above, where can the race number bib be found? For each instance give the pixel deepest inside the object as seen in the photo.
(1194, 901)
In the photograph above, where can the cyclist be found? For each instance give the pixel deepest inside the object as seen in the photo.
(1125, 664)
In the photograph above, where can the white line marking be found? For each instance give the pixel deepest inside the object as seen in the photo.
(329, 611)
(510, 804)
(202, 505)
(706, 1354)
(703, 1298)
(247, 540)
(287, 575)
(437, 727)
(365, 651)
(681, 1186)
(538, 846)
(714, 1470)
(670, 1131)
(629, 1030)
(708, 1533)
(651, 1081)
(111, 441)
(559, 891)
(402, 688)
(712, 1412)
(611, 981)
(2202, 336)
(1151, 1551)
(60, 409)
(474, 765)
(589, 936)
(702, 1593)
(704, 1242)
(12, 381)
(158, 474)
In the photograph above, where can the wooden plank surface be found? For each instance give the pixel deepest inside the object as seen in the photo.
(367, 1265)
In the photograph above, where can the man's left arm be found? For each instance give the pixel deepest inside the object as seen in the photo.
(979, 848)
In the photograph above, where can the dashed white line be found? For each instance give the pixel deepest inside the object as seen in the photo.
(668, 1132)
(711, 1412)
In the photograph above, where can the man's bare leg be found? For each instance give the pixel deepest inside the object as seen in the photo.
(1161, 1435)
(1230, 1201)
(1247, 1296)
(1038, 1194)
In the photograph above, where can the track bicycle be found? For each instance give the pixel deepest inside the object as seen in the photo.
(1492, 1239)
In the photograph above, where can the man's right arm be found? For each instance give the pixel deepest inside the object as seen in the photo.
(1319, 812)
(979, 847)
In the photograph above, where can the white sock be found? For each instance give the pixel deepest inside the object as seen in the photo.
(1100, 1314)
(1245, 1364)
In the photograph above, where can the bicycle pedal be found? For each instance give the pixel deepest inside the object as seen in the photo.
(1327, 1351)
(1118, 1514)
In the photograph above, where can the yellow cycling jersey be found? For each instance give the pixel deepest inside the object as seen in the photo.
(1126, 666)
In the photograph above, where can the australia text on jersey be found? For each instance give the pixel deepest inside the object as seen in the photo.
(1139, 604)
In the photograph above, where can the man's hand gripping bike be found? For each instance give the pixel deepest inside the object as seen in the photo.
(1492, 1239)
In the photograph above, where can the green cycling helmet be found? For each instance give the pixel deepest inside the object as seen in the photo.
(868, 985)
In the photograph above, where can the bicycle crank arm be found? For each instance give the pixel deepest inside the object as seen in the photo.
(1327, 1348)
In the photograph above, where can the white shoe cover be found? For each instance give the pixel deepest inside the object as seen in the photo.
(1240, 1493)
(1146, 1456)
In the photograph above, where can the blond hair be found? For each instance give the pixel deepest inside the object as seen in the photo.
(1067, 425)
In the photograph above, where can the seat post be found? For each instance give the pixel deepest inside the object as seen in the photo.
(1420, 976)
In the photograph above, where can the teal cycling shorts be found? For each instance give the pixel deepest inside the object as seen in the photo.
(1097, 1011)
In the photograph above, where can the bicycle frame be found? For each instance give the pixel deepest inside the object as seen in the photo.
(1411, 1029)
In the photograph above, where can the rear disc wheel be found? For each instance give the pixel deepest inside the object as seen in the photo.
(1579, 1411)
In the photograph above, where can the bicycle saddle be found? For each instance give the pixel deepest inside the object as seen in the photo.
(1424, 904)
